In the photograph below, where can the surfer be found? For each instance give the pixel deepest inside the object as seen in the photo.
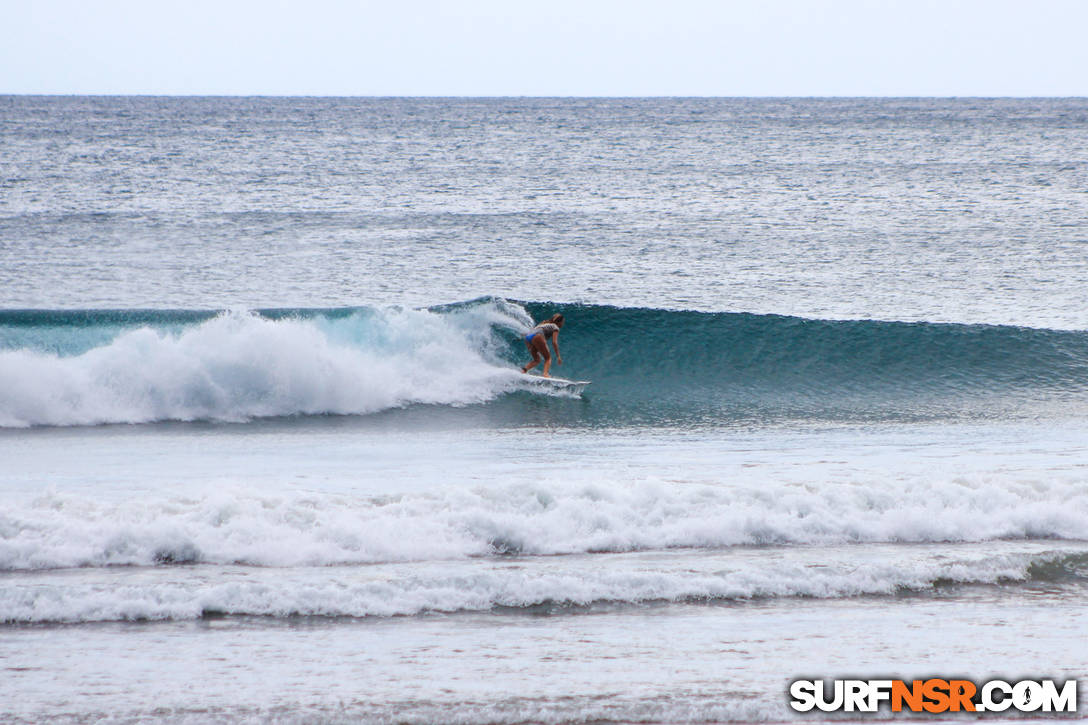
(537, 342)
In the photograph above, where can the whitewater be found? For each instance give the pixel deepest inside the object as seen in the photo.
(266, 454)
(238, 366)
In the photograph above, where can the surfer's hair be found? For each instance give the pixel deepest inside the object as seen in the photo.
(557, 318)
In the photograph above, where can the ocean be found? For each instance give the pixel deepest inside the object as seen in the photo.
(266, 454)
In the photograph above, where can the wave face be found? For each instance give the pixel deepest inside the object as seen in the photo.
(737, 362)
(647, 366)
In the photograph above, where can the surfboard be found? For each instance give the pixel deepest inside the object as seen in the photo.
(574, 387)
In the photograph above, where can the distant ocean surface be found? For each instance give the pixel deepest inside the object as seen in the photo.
(266, 455)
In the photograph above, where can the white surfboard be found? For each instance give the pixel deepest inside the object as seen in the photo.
(574, 387)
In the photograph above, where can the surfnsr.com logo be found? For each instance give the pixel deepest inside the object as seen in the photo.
(934, 695)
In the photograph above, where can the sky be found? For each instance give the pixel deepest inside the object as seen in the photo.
(553, 48)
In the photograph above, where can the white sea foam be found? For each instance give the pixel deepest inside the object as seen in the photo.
(481, 585)
(228, 525)
(239, 366)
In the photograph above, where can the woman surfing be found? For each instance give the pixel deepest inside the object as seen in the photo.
(536, 340)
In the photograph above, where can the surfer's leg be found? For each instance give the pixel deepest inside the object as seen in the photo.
(532, 363)
(539, 348)
(542, 349)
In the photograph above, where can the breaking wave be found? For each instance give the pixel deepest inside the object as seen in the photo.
(89, 367)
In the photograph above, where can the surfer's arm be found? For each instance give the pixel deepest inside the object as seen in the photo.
(555, 344)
